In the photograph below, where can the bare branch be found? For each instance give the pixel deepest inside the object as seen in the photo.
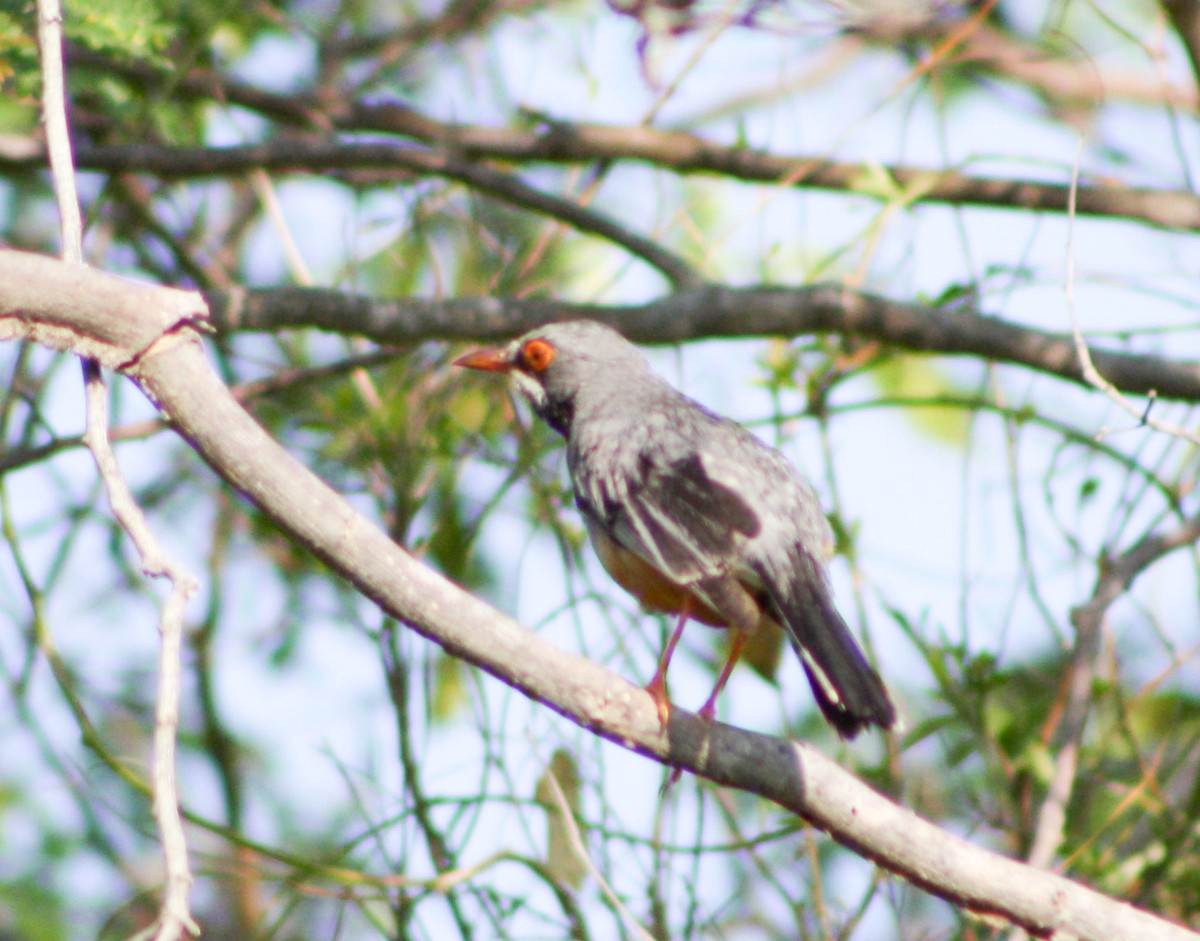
(711, 312)
(562, 142)
(795, 776)
(58, 135)
(1185, 17)
(557, 141)
(85, 311)
(175, 915)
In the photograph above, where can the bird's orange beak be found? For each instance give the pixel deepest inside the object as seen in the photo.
(490, 360)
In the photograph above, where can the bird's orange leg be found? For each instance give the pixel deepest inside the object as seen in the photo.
(657, 687)
(709, 709)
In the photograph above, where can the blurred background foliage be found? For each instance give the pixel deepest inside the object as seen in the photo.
(344, 778)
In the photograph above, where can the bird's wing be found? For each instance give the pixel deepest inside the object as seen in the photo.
(671, 513)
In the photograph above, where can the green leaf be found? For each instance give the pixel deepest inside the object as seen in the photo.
(876, 180)
(558, 792)
(449, 690)
(911, 378)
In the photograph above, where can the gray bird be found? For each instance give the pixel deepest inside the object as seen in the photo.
(690, 513)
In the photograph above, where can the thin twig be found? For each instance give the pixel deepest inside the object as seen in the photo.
(1087, 619)
(58, 136)
(1140, 413)
(1116, 575)
(571, 826)
(174, 916)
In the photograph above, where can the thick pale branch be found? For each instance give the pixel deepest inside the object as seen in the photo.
(85, 311)
(796, 776)
(711, 312)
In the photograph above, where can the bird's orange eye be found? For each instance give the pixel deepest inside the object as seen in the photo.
(536, 355)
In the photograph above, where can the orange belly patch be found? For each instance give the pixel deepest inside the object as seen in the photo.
(652, 590)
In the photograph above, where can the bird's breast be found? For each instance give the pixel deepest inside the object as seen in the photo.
(653, 590)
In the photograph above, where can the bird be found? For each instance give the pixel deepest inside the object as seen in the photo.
(691, 513)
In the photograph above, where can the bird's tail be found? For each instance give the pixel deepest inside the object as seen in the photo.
(847, 688)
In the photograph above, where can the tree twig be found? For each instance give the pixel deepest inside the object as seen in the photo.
(1087, 366)
(1114, 579)
(174, 916)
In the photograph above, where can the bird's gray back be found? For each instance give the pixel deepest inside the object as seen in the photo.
(636, 430)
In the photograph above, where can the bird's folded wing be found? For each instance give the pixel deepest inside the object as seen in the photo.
(672, 514)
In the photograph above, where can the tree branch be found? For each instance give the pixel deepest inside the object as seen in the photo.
(174, 917)
(1185, 17)
(794, 775)
(555, 141)
(356, 159)
(565, 143)
(711, 312)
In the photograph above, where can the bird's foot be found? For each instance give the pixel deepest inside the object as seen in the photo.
(657, 688)
(708, 712)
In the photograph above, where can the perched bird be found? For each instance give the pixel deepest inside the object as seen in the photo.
(690, 513)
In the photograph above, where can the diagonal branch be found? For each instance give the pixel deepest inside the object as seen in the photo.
(353, 159)
(1116, 575)
(794, 775)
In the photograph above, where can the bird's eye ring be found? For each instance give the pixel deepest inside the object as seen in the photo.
(537, 355)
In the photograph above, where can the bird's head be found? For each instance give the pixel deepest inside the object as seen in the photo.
(557, 366)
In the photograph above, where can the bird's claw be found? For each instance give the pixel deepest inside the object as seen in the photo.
(657, 688)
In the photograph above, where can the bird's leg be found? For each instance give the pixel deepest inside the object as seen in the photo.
(657, 687)
(709, 709)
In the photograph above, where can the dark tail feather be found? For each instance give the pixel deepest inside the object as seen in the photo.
(847, 688)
